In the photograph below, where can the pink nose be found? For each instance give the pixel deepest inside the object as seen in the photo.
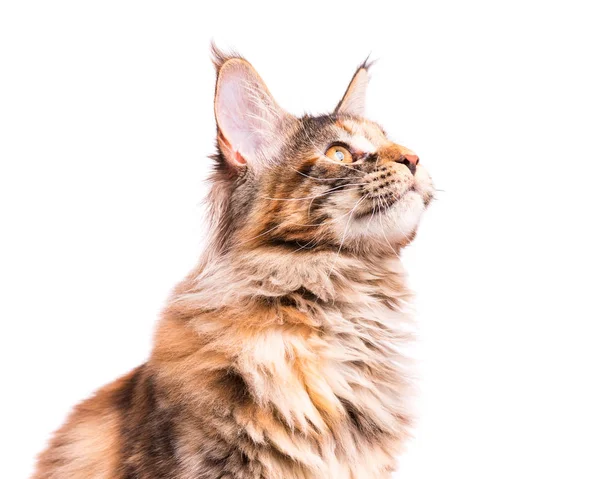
(412, 159)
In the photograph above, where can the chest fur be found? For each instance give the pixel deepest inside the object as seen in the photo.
(333, 397)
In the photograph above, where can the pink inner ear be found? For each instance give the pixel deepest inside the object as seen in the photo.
(247, 115)
(231, 155)
(239, 158)
(239, 112)
(354, 99)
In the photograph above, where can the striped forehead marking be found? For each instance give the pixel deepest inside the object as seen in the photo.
(355, 138)
(362, 144)
(361, 135)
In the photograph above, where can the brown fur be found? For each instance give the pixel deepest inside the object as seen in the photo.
(279, 356)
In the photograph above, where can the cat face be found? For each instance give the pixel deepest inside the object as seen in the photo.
(311, 183)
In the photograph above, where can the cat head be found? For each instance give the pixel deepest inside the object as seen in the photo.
(328, 182)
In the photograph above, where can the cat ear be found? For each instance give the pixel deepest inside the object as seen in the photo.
(249, 121)
(353, 102)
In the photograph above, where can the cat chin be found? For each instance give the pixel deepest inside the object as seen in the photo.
(406, 215)
(394, 225)
(402, 219)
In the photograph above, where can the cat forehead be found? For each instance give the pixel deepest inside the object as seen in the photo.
(361, 134)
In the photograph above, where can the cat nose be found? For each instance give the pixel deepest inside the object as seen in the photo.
(410, 160)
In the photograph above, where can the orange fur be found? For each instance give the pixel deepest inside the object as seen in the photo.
(279, 356)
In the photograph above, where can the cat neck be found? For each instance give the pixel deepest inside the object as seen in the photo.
(283, 343)
(327, 276)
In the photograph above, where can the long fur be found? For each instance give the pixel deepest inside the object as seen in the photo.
(280, 355)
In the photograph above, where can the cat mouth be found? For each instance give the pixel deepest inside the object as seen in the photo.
(382, 204)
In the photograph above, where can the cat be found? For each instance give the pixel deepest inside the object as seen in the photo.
(279, 355)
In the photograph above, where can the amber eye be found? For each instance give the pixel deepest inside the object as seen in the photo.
(339, 153)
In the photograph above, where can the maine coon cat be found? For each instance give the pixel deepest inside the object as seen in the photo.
(278, 356)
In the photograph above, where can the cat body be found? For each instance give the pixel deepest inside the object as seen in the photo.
(279, 356)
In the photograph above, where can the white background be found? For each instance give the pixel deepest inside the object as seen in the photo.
(105, 125)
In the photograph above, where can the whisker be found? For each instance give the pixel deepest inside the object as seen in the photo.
(344, 165)
(318, 179)
(362, 198)
(349, 189)
(262, 234)
(385, 236)
(371, 218)
(301, 224)
(312, 200)
(307, 245)
(316, 196)
(297, 224)
(325, 222)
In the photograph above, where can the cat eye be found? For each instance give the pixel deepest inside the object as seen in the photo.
(339, 153)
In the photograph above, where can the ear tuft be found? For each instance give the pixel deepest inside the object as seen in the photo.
(220, 57)
(354, 100)
(368, 63)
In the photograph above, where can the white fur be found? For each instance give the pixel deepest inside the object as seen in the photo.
(354, 100)
(362, 144)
